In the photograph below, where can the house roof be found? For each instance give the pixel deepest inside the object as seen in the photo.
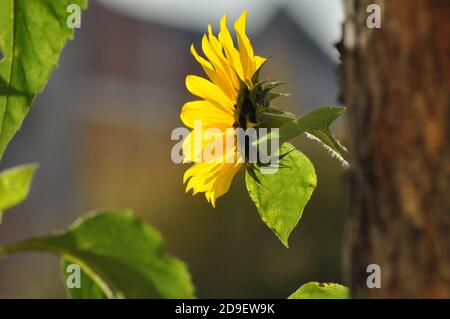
(319, 19)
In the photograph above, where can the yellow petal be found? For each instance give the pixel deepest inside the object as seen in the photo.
(228, 68)
(207, 112)
(203, 62)
(208, 91)
(206, 65)
(213, 52)
(191, 153)
(198, 175)
(212, 179)
(257, 63)
(200, 142)
(223, 181)
(245, 47)
(217, 77)
(231, 52)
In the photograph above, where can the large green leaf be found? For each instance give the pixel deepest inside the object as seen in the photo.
(316, 290)
(317, 126)
(282, 196)
(32, 35)
(122, 256)
(14, 186)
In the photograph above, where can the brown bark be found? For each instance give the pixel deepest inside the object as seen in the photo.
(395, 83)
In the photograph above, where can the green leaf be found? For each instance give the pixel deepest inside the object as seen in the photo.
(32, 35)
(88, 288)
(272, 118)
(282, 196)
(317, 126)
(15, 185)
(316, 290)
(122, 256)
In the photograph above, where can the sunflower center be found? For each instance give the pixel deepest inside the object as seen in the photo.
(246, 109)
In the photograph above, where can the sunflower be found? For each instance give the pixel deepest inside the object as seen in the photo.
(225, 104)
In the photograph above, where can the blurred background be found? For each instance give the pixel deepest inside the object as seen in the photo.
(101, 135)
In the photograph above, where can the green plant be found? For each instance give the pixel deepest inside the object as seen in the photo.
(32, 36)
(233, 104)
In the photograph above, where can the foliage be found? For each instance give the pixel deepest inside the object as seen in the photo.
(316, 290)
(282, 196)
(120, 257)
(32, 36)
(14, 186)
(316, 123)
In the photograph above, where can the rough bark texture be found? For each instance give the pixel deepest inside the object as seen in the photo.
(396, 83)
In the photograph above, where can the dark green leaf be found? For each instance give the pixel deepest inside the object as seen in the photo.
(122, 256)
(272, 118)
(282, 196)
(316, 290)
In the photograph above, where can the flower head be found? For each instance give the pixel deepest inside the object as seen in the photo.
(224, 106)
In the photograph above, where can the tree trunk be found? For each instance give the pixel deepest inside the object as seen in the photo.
(396, 83)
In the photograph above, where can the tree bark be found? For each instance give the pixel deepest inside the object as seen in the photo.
(396, 83)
